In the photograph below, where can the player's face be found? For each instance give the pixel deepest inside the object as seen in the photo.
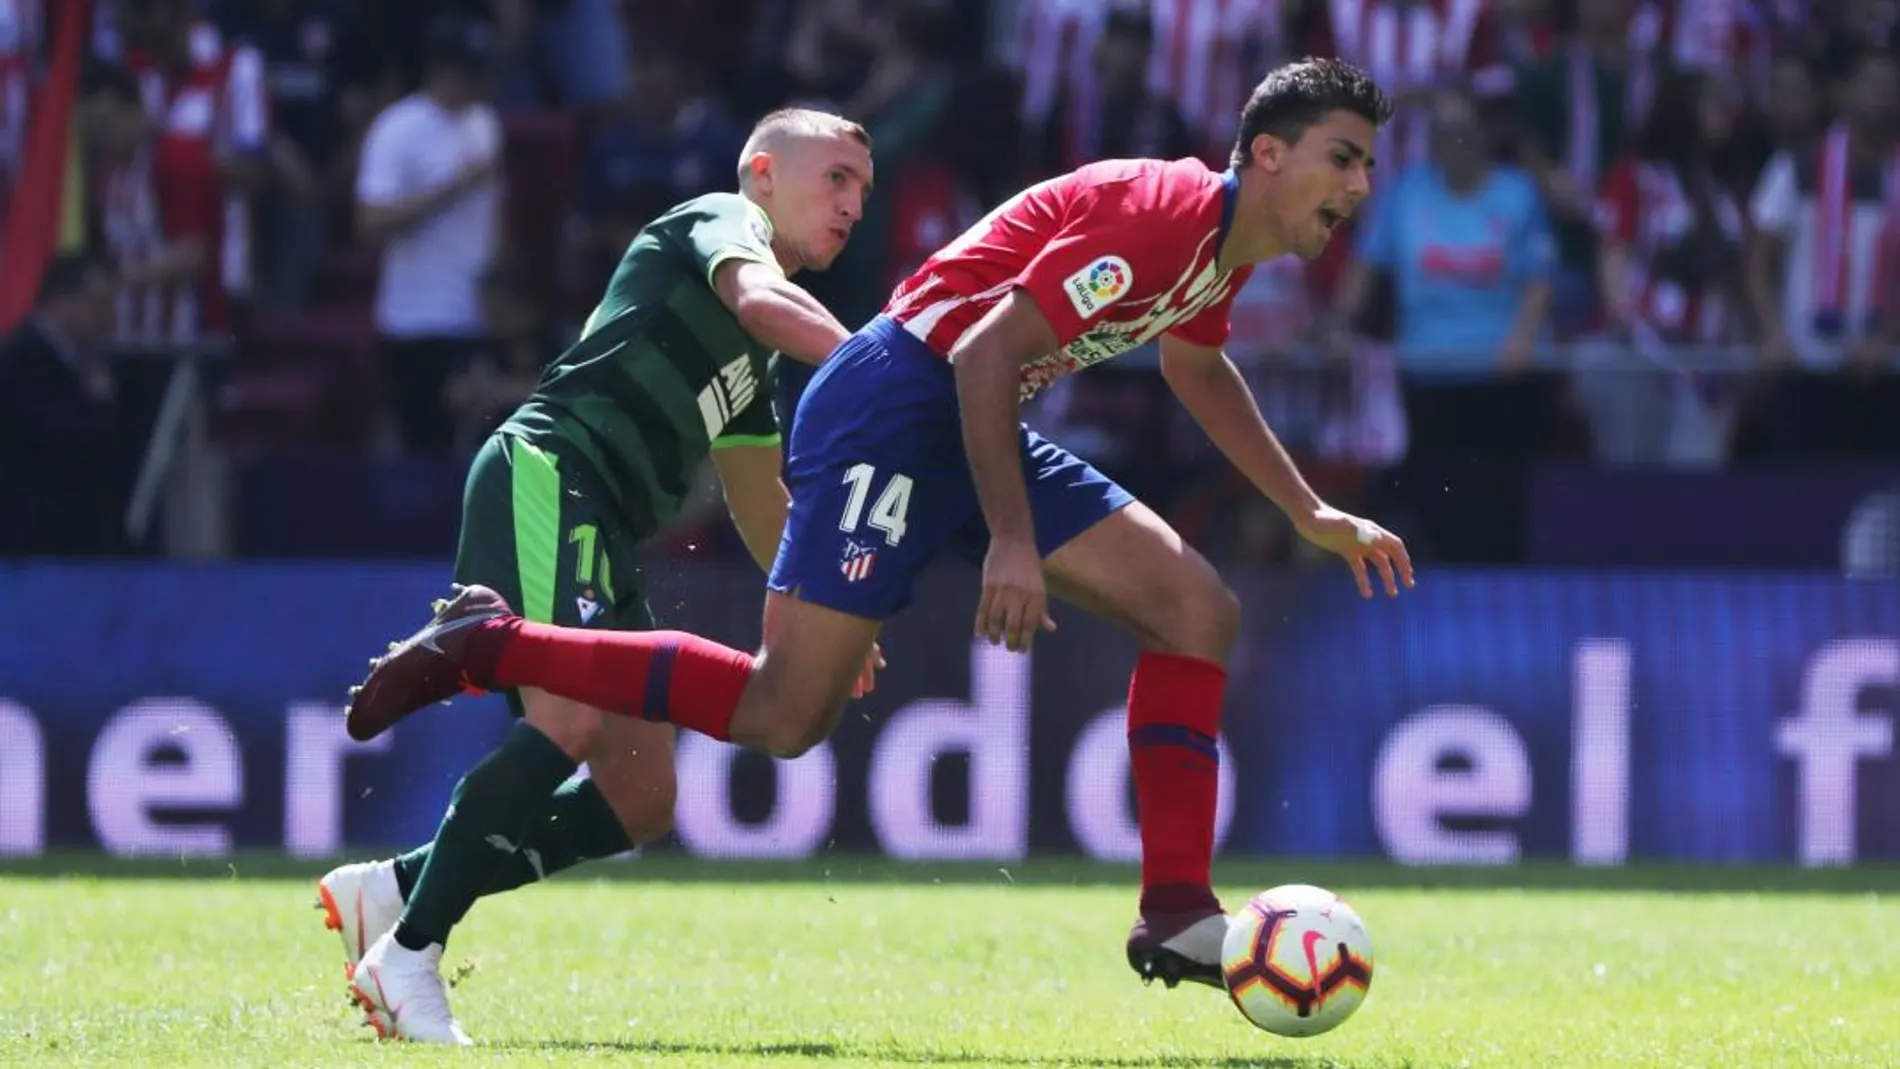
(818, 189)
(1324, 176)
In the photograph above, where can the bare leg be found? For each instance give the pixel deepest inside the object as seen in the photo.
(1133, 569)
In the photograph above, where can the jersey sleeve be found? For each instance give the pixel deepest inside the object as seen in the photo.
(1099, 249)
(755, 424)
(722, 227)
(1213, 324)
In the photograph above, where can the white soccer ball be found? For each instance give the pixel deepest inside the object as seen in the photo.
(1298, 960)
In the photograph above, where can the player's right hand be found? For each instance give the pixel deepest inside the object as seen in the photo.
(1015, 599)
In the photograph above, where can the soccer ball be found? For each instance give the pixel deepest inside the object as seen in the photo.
(1298, 960)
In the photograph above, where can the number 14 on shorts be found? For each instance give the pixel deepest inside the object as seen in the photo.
(887, 513)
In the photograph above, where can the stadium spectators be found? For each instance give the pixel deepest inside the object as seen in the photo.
(1123, 117)
(318, 72)
(1469, 252)
(519, 340)
(429, 192)
(63, 462)
(1583, 97)
(1575, 111)
(209, 154)
(673, 142)
(1669, 263)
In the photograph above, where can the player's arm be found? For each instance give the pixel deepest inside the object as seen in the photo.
(988, 364)
(1213, 392)
(755, 495)
(775, 311)
(730, 239)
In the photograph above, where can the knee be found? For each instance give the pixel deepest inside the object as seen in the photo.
(1202, 620)
(793, 736)
(783, 715)
(794, 729)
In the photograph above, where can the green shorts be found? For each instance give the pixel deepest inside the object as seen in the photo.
(535, 528)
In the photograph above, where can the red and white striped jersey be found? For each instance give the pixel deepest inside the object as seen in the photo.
(1645, 210)
(1207, 56)
(1115, 254)
(1409, 46)
(215, 109)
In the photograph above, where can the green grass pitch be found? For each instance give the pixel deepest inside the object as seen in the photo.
(667, 961)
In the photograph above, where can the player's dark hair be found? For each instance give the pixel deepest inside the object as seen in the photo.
(1296, 96)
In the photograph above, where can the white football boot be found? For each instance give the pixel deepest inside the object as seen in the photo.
(359, 902)
(402, 993)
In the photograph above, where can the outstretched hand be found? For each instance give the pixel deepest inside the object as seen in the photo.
(1361, 543)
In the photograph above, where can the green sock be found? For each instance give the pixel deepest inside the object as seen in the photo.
(488, 814)
(577, 825)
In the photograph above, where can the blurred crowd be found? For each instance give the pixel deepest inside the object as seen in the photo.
(1633, 232)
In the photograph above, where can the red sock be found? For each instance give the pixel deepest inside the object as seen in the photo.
(668, 676)
(1174, 706)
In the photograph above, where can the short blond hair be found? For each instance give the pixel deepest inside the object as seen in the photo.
(788, 123)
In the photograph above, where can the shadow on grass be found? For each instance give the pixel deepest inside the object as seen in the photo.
(885, 1055)
(857, 870)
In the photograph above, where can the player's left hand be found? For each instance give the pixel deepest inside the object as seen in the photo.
(867, 676)
(1361, 542)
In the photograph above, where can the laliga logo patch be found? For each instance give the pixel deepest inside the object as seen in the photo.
(1099, 285)
(760, 226)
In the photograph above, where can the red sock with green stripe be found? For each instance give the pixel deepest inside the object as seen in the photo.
(662, 676)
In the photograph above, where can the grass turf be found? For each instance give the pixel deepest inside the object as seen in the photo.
(668, 961)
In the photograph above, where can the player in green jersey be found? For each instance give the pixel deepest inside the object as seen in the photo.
(671, 367)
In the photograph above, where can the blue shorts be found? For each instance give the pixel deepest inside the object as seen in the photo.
(880, 483)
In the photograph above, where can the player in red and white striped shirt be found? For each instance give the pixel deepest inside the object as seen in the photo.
(908, 443)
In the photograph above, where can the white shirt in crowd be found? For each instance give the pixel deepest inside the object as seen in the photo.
(431, 274)
(1782, 207)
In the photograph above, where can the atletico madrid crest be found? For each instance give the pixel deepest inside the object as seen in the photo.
(857, 561)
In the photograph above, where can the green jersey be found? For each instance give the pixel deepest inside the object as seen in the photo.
(662, 372)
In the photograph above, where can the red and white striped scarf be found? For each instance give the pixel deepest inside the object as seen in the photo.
(1834, 235)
